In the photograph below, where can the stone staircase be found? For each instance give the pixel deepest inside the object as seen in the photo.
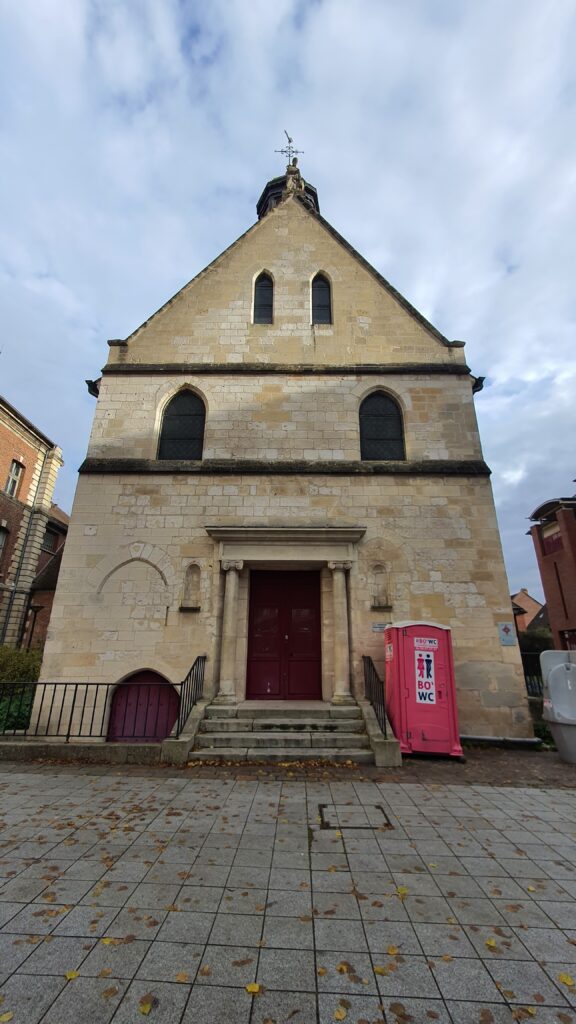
(280, 731)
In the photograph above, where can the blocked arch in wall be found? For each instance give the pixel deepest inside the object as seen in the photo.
(138, 552)
(143, 709)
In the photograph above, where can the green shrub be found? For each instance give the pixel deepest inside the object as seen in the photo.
(536, 640)
(18, 666)
(542, 732)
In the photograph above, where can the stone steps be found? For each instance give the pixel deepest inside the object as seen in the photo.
(282, 731)
(285, 709)
(282, 738)
(235, 725)
(264, 754)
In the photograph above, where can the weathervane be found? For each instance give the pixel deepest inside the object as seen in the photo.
(289, 150)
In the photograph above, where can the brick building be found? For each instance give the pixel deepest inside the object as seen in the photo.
(32, 528)
(283, 458)
(554, 537)
(525, 609)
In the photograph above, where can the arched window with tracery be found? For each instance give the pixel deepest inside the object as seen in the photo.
(321, 300)
(263, 299)
(182, 433)
(381, 428)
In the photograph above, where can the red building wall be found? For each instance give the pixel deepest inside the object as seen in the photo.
(556, 556)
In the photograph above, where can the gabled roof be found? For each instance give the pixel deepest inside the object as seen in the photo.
(59, 515)
(524, 593)
(47, 578)
(26, 422)
(411, 310)
(548, 508)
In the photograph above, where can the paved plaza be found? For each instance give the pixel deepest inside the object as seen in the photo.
(173, 898)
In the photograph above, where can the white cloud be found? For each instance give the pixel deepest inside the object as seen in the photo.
(135, 138)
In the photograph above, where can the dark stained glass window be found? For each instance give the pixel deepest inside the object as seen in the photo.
(183, 427)
(321, 300)
(381, 429)
(263, 299)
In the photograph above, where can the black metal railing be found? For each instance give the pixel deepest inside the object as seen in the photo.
(191, 690)
(76, 711)
(532, 673)
(375, 691)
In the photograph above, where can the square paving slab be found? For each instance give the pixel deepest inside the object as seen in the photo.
(130, 893)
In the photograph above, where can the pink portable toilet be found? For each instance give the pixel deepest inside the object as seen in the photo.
(420, 688)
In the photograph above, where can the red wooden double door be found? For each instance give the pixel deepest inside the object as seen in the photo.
(284, 640)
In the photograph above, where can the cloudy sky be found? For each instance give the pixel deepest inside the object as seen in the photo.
(136, 136)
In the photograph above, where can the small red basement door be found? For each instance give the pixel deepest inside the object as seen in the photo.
(284, 651)
(144, 709)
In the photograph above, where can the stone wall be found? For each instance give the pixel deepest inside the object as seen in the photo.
(117, 607)
(210, 319)
(286, 417)
(141, 584)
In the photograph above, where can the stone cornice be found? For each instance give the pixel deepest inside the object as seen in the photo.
(257, 467)
(287, 534)
(283, 369)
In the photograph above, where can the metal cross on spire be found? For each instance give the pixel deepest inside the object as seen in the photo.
(290, 150)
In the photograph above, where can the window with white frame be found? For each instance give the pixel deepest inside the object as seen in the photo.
(14, 478)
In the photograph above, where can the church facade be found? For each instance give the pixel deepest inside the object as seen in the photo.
(284, 458)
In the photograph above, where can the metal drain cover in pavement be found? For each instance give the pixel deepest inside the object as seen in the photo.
(328, 815)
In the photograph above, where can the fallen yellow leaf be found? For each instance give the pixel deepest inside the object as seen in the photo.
(447, 958)
(340, 1014)
(380, 970)
(5, 1017)
(182, 976)
(392, 950)
(253, 988)
(322, 971)
(71, 975)
(402, 891)
(531, 888)
(491, 943)
(566, 979)
(146, 1003)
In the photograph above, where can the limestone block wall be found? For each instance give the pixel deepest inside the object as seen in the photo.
(287, 417)
(131, 541)
(210, 319)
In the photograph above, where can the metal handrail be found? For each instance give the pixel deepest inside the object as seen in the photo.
(71, 710)
(191, 690)
(375, 690)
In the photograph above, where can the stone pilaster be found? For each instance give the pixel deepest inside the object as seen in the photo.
(227, 685)
(342, 693)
